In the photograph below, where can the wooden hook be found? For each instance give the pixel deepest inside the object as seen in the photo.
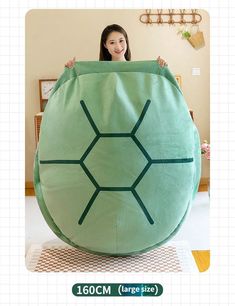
(159, 17)
(194, 21)
(149, 20)
(182, 20)
(171, 20)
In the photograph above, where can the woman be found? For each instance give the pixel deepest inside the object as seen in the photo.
(114, 46)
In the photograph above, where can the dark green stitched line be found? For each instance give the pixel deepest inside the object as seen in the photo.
(142, 149)
(139, 178)
(92, 123)
(153, 161)
(141, 117)
(88, 150)
(92, 199)
(115, 188)
(60, 161)
(172, 161)
(138, 199)
(90, 176)
(115, 134)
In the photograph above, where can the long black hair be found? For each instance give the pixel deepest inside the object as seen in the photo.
(104, 53)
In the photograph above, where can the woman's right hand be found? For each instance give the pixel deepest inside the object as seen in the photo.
(70, 63)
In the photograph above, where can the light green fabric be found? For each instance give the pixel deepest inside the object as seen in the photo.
(118, 162)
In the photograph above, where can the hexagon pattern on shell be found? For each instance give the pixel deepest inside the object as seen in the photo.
(118, 161)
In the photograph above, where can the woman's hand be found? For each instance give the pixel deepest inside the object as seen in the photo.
(70, 63)
(161, 62)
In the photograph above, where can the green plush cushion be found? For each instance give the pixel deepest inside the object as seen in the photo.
(118, 162)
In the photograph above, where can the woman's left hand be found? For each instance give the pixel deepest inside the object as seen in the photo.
(161, 62)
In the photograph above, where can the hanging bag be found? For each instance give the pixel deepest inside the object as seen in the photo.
(196, 39)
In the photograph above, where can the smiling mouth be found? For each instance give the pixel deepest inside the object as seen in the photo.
(118, 52)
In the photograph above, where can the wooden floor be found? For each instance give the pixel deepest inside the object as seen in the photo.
(202, 258)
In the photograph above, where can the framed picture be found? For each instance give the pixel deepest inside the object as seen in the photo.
(45, 89)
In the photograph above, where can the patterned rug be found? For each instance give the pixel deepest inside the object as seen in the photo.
(173, 257)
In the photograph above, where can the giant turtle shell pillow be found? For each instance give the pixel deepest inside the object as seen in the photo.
(118, 161)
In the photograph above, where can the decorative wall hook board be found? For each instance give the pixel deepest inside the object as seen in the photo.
(171, 17)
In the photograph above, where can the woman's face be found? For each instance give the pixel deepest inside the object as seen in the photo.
(116, 45)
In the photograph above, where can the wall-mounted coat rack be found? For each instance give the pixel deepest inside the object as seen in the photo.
(171, 17)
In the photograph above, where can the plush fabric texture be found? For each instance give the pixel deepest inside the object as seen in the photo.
(118, 162)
